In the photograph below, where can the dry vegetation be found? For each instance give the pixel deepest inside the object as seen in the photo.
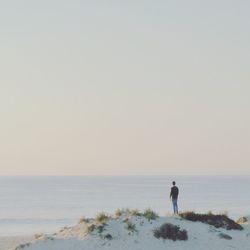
(218, 221)
(170, 231)
(101, 218)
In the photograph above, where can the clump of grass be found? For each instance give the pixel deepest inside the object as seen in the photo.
(90, 228)
(83, 220)
(210, 212)
(130, 226)
(101, 218)
(242, 220)
(127, 212)
(135, 212)
(22, 246)
(218, 221)
(38, 236)
(170, 231)
(150, 214)
(224, 213)
(119, 212)
(100, 228)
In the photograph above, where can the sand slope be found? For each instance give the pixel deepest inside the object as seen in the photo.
(10, 242)
(116, 235)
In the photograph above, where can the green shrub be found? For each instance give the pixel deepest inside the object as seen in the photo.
(130, 226)
(150, 214)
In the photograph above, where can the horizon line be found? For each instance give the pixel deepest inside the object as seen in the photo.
(128, 175)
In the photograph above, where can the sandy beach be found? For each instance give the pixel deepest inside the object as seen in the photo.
(145, 231)
(10, 242)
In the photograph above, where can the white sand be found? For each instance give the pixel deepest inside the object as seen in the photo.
(200, 236)
(11, 242)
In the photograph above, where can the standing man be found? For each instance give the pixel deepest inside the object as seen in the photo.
(174, 195)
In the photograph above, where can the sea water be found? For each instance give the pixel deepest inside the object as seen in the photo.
(30, 205)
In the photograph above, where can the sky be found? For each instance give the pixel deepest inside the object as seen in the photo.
(124, 87)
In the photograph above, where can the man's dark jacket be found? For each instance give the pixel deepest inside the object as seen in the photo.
(174, 192)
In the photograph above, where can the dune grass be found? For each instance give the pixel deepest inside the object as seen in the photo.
(101, 218)
(150, 214)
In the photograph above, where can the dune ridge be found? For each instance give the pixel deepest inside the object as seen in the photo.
(134, 230)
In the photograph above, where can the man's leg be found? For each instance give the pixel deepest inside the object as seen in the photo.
(175, 206)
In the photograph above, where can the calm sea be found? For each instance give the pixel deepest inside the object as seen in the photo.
(31, 205)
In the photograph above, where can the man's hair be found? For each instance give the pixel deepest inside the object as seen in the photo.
(173, 182)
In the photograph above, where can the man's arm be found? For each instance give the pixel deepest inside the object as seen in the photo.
(171, 193)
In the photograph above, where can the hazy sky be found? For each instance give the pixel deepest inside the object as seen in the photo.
(124, 87)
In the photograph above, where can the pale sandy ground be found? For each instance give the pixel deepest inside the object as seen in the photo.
(12, 241)
(200, 236)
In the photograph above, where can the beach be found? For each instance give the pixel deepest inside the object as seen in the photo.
(10, 242)
(133, 230)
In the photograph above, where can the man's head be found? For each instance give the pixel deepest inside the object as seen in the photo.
(173, 183)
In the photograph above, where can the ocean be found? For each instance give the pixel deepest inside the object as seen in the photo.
(30, 205)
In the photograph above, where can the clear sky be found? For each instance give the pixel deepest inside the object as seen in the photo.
(124, 87)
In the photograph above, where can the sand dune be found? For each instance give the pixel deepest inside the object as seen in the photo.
(131, 231)
(10, 242)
